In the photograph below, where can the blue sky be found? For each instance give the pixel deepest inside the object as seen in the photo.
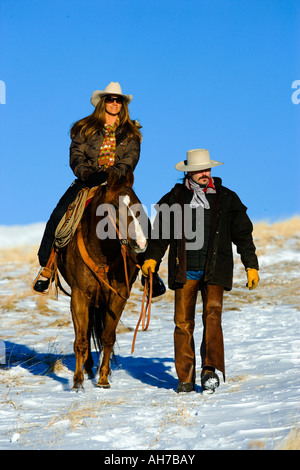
(213, 74)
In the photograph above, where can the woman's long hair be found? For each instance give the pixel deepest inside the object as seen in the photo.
(93, 123)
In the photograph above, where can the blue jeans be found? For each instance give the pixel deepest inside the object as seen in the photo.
(194, 275)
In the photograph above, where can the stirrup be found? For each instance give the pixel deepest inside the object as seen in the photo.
(45, 272)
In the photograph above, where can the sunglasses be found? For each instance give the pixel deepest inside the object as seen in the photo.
(111, 99)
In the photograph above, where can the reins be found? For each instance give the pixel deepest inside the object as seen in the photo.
(144, 308)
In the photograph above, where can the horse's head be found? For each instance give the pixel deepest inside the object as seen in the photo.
(126, 215)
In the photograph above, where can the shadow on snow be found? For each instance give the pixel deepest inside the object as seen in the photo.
(154, 371)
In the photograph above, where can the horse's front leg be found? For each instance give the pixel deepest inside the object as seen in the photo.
(113, 314)
(80, 316)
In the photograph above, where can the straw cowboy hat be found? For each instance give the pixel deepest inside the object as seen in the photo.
(197, 159)
(113, 88)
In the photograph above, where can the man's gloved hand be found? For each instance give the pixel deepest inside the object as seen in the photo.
(97, 178)
(253, 278)
(149, 263)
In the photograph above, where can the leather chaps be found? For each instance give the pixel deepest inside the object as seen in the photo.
(212, 347)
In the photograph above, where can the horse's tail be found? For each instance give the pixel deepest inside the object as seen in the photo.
(97, 324)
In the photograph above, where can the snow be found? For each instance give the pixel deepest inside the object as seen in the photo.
(255, 408)
(16, 235)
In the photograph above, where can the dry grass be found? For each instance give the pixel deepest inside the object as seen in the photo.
(286, 229)
(292, 442)
(78, 413)
(8, 303)
(18, 255)
(182, 415)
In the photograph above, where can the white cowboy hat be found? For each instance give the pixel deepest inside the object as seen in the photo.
(113, 88)
(197, 159)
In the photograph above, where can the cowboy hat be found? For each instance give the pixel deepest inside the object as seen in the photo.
(113, 88)
(197, 159)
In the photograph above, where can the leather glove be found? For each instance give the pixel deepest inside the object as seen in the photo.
(149, 263)
(97, 178)
(253, 278)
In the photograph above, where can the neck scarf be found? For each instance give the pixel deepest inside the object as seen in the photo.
(108, 148)
(199, 198)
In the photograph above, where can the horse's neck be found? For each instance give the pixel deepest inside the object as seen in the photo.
(104, 248)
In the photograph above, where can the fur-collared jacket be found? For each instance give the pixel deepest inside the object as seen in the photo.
(84, 155)
(229, 224)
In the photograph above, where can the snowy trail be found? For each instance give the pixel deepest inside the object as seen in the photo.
(256, 407)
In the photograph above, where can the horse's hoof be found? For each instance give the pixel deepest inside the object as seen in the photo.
(78, 388)
(103, 385)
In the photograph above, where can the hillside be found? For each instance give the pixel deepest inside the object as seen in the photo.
(256, 408)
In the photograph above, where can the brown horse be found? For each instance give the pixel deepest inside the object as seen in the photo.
(100, 267)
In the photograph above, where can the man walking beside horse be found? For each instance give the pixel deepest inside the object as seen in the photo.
(204, 263)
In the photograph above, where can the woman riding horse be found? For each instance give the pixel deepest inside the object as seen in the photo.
(100, 267)
(103, 142)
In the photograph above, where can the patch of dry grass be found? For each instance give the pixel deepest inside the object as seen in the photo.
(292, 442)
(181, 416)
(78, 413)
(19, 255)
(286, 229)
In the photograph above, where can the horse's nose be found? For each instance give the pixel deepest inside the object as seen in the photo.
(139, 246)
(142, 243)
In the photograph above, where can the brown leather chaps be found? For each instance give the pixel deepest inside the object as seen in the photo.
(212, 347)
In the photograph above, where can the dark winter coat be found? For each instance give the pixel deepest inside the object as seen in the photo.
(84, 155)
(229, 223)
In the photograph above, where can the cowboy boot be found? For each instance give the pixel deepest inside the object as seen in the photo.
(209, 379)
(42, 286)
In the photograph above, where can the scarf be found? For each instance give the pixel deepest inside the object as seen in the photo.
(108, 148)
(199, 198)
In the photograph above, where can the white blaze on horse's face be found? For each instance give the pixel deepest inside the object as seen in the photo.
(135, 229)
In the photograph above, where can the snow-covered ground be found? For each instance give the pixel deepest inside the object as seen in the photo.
(256, 408)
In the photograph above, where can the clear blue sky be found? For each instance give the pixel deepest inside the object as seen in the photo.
(213, 74)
